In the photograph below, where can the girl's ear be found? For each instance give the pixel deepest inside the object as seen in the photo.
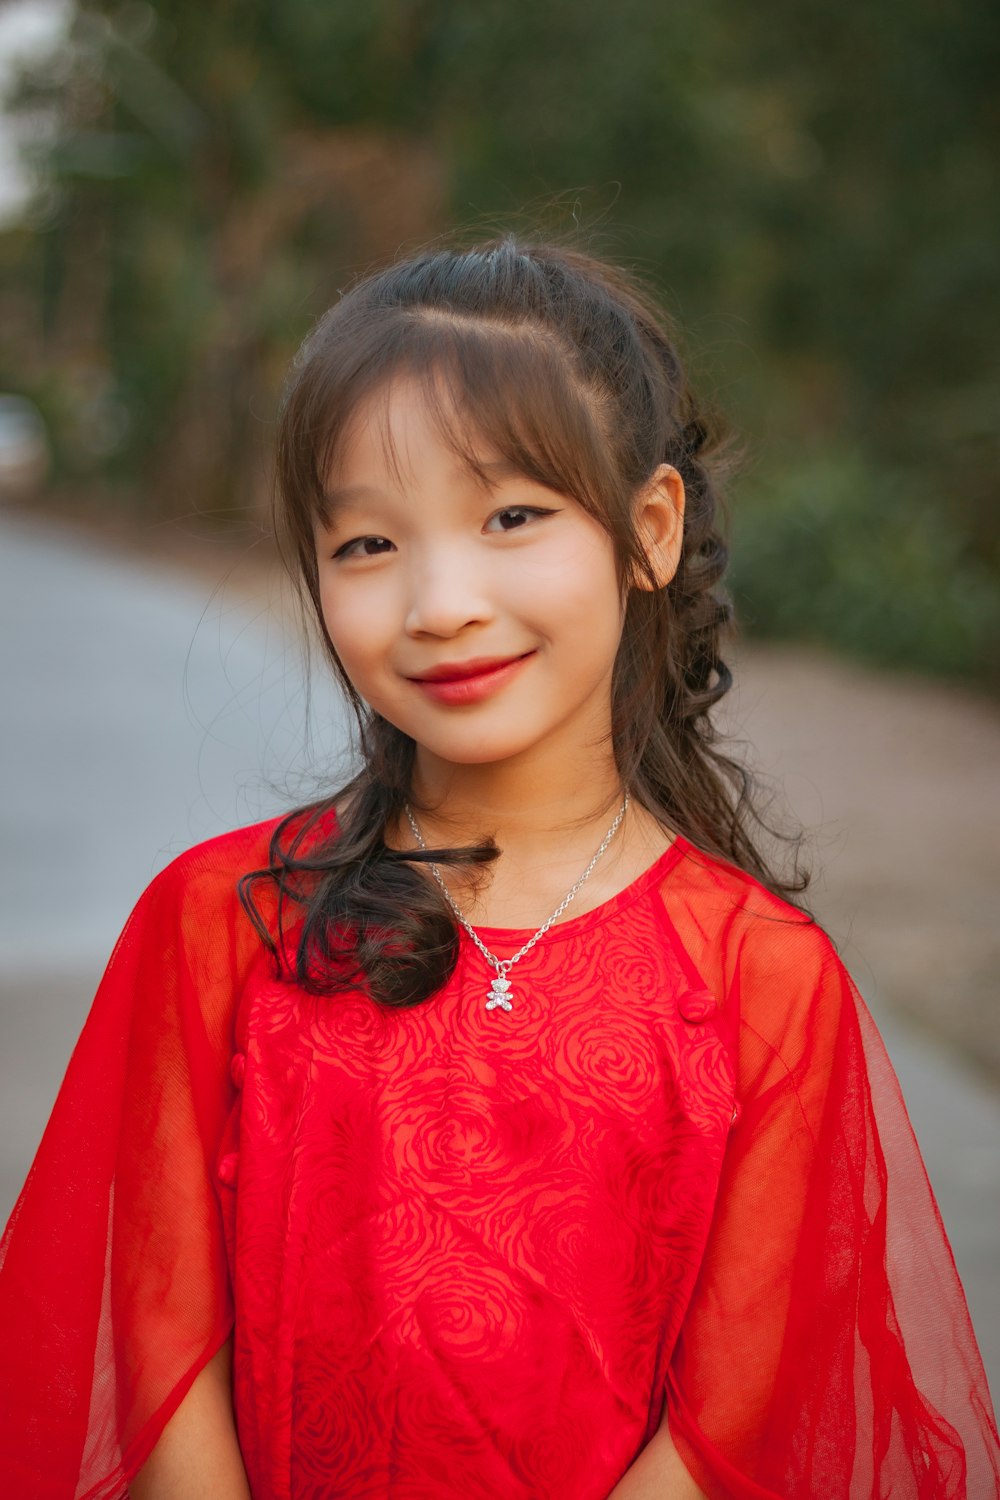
(659, 522)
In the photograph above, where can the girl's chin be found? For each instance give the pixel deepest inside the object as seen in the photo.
(484, 757)
(476, 746)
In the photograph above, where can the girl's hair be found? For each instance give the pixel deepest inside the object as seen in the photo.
(567, 368)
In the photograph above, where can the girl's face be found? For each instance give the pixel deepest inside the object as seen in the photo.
(423, 570)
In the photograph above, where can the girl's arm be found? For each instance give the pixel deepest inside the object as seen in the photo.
(198, 1454)
(125, 1187)
(658, 1473)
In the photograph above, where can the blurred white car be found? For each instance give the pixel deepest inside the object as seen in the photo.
(24, 447)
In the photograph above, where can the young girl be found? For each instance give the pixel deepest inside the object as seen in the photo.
(496, 1127)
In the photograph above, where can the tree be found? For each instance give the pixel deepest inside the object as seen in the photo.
(812, 191)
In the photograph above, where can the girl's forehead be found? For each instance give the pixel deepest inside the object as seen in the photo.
(408, 419)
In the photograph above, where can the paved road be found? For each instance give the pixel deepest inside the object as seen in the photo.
(144, 711)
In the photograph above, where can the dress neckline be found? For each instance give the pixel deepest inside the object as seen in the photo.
(571, 926)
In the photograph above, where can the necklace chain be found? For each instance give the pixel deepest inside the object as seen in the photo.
(500, 987)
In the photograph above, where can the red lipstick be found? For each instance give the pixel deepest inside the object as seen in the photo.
(469, 681)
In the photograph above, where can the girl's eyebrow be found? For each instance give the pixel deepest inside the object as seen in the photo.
(335, 499)
(493, 470)
(338, 498)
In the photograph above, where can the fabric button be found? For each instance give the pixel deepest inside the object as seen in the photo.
(237, 1068)
(228, 1167)
(697, 1005)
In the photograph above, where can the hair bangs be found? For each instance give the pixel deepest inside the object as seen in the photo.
(512, 393)
(494, 391)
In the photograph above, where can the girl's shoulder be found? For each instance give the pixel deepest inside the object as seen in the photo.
(730, 907)
(204, 879)
(194, 905)
(205, 895)
(225, 857)
(770, 965)
(220, 862)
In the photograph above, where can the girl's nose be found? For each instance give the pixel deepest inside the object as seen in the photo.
(447, 592)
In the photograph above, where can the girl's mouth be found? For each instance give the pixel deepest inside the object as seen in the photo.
(458, 690)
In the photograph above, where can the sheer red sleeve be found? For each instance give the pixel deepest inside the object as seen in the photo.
(114, 1286)
(827, 1350)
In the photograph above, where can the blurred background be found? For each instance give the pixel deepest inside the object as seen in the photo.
(183, 190)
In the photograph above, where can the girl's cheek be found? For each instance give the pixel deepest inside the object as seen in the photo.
(339, 637)
(357, 627)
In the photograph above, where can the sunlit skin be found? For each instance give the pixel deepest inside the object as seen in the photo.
(421, 564)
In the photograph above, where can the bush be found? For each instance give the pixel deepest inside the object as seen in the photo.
(836, 550)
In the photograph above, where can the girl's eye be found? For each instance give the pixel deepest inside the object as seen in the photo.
(360, 547)
(516, 515)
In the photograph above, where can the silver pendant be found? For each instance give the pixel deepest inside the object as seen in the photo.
(498, 993)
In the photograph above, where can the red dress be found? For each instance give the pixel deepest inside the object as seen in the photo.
(468, 1253)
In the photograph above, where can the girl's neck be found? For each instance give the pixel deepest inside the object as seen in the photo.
(529, 813)
(547, 837)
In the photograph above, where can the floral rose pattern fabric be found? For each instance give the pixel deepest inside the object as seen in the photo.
(477, 1228)
(469, 1253)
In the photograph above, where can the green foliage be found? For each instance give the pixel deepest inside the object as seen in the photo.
(832, 549)
(812, 188)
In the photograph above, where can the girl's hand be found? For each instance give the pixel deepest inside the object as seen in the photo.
(198, 1455)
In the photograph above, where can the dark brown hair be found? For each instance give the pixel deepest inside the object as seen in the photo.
(565, 366)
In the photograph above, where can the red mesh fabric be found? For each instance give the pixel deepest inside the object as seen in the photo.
(827, 1349)
(114, 1289)
(824, 1346)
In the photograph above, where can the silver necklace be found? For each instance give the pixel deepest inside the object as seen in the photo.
(500, 986)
